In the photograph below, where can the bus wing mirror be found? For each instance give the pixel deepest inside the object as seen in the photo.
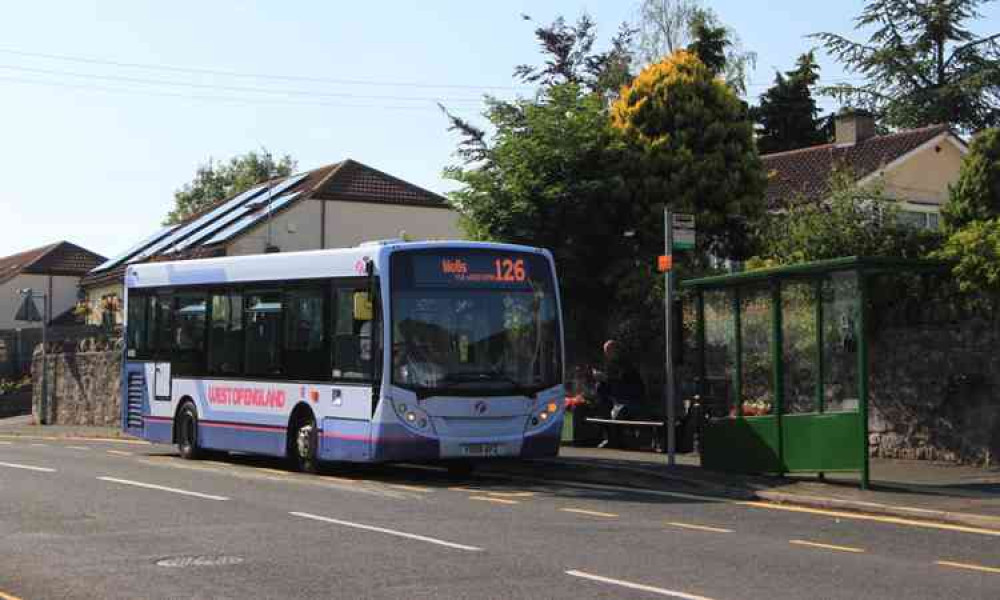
(362, 306)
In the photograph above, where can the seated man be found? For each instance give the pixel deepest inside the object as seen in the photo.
(621, 387)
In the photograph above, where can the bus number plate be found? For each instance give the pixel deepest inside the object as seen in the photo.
(483, 450)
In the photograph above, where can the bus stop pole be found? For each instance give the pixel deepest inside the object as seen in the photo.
(668, 295)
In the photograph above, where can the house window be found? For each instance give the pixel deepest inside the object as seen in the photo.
(919, 219)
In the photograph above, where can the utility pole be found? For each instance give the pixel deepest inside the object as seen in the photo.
(668, 295)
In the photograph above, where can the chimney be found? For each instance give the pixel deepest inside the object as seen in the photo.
(853, 126)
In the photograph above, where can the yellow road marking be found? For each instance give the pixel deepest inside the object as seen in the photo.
(494, 500)
(699, 527)
(826, 546)
(270, 470)
(958, 565)
(511, 494)
(109, 440)
(863, 517)
(592, 513)
(412, 488)
(119, 452)
(4, 596)
(459, 488)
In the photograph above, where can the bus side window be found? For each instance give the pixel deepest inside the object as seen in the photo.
(188, 339)
(264, 314)
(138, 311)
(353, 330)
(160, 328)
(225, 334)
(306, 350)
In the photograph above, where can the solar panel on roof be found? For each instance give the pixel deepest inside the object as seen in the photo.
(251, 219)
(237, 213)
(278, 189)
(113, 262)
(198, 223)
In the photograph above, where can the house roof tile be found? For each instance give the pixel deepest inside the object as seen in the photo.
(804, 174)
(60, 258)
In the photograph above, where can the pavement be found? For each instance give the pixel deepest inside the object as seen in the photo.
(86, 517)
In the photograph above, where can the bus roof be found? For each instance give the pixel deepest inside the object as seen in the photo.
(312, 264)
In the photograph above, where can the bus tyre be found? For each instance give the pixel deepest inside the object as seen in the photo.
(187, 433)
(304, 445)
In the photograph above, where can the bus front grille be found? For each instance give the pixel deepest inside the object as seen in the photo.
(133, 400)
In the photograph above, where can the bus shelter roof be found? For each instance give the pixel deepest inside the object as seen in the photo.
(817, 269)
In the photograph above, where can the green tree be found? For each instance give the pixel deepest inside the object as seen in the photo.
(691, 146)
(571, 58)
(215, 181)
(787, 117)
(975, 250)
(922, 65)
(853, 221)
(976, 194)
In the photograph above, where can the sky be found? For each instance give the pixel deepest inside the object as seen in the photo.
(107, 108)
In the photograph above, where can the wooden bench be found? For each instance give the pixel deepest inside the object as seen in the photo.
(659, 429)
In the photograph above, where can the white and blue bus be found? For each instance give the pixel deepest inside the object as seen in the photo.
(390, 351)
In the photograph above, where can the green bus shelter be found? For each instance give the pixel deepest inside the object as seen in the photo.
(782, 364)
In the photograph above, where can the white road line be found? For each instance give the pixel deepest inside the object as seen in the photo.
(153, 486)
(27, 467)
(637, 586)
(694, 527)
(402, 534)
(119, 452)
(6, 443)
(78, 448)
(40, 445)
(826, 546)
(592, 513)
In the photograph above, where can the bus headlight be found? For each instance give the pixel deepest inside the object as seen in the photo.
(412, 416)
(543, 416)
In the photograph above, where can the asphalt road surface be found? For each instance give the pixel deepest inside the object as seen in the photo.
(97, 519)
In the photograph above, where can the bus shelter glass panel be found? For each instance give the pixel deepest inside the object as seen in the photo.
(799, 328)
(756, 331)
(840, 342)
(719, 352)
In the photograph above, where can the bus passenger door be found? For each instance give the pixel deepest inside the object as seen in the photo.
(161, 381)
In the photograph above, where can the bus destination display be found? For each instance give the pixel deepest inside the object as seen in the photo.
(473, 269)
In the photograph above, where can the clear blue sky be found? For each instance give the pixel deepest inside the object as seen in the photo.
(92, 152)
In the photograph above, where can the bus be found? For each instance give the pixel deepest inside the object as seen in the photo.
(389, 351)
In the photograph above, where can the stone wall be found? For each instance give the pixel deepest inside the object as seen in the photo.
(84, 387)
(933, 387)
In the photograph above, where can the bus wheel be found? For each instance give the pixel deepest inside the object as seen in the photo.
(187, 433)
(304, 445)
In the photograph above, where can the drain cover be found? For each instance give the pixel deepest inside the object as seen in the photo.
(179, 562)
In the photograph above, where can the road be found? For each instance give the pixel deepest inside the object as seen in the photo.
(100, 519)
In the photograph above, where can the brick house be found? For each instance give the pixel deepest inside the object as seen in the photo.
(915, 167)
(334, 206)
